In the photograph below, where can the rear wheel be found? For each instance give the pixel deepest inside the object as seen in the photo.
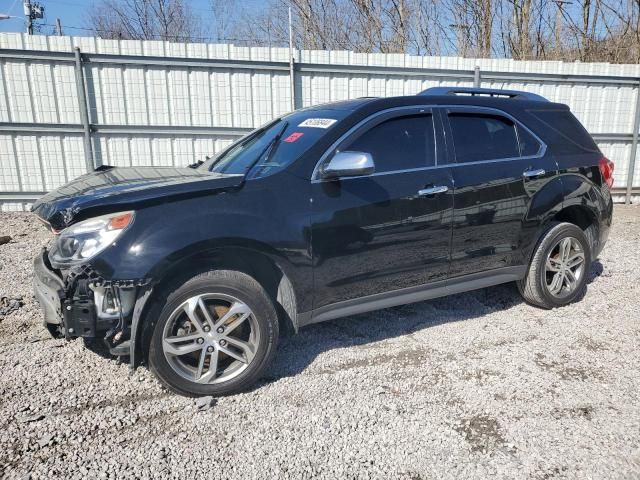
(215, 335)
(559, 269)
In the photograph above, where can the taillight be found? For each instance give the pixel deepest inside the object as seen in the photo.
(606, 169)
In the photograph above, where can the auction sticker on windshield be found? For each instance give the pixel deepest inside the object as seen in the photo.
(318, 122)
(293, 137)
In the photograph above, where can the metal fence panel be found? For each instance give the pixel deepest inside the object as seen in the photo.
(162, 103)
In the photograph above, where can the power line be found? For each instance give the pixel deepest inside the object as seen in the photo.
(175, 38)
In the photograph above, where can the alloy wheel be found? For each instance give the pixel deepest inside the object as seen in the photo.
(564, 267)
(210, 338)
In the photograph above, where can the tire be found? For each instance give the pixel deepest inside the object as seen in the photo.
(591, 232)
(217, 290)
(536, 287)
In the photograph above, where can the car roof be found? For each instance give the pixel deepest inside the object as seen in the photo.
(348, 105)
(373, 104)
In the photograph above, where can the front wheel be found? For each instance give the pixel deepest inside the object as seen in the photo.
(560, 267)
(215, 334)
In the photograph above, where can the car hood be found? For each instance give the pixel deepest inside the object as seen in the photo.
(110, 189)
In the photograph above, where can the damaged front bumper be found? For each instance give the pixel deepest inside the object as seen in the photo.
(49, 291)
(80, 303)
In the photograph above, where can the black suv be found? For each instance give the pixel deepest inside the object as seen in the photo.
(326, 212)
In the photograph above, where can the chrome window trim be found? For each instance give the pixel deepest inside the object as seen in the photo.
(427, 109)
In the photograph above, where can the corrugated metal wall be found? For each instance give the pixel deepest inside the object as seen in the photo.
(161, 103)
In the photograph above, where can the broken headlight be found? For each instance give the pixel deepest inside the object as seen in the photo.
(82, 241)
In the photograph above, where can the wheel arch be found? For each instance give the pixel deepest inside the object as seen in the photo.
(581, 206)
(578, 214)
(259, 261)
(567, 198)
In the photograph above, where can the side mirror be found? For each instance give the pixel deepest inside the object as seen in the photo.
(349, 164)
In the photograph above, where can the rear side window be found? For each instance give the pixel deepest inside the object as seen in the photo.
(563, 132)
(478, 137)
(399, 143)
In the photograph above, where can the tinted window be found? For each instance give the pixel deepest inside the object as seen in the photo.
(295, 132)
(528, 143)
(399, 143)
(483, 137)
(563, 132)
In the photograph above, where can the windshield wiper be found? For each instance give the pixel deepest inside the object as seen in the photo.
(271, 148)
(241, 142)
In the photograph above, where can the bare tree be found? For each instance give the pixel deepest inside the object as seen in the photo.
(145, 20)
(360, 25)
(224, 14)
(586, 30)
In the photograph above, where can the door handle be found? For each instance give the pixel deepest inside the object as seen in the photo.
(433, 190)
(533, 173)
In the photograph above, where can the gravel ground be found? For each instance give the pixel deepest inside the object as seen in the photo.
(472, 386)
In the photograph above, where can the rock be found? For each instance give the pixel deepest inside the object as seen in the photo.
(5, 239)
(205, 403)
(31, 418)
(9, 305)
(45, 440)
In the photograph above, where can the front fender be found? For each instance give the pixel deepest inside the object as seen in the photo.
(154, 244)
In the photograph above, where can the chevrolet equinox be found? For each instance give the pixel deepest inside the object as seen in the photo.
(325, 212)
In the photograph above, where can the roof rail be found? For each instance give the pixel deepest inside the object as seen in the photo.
(484, 92)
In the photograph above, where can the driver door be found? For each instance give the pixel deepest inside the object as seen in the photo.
(388, 230)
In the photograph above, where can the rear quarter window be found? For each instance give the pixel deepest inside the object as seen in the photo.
(563, 132)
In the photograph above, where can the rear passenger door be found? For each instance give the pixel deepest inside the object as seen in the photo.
(498, 166)
(382, 232)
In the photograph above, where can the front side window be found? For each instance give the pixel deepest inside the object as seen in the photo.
(398, 144)
(478, 137)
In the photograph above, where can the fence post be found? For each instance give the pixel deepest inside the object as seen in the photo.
(634, 148)
(476, 77)
(84, 111)
(292, 71)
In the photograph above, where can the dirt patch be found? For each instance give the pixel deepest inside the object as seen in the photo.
(592, 345)
(480, 375)
(584, 411)
(552, 472)
(482, 432)
(566, 371)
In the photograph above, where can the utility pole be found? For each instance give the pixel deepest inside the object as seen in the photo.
(58, 27)
(27, 13)
(32, 11)
(292, 73)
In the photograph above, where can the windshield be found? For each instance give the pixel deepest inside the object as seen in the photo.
(275, 145)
